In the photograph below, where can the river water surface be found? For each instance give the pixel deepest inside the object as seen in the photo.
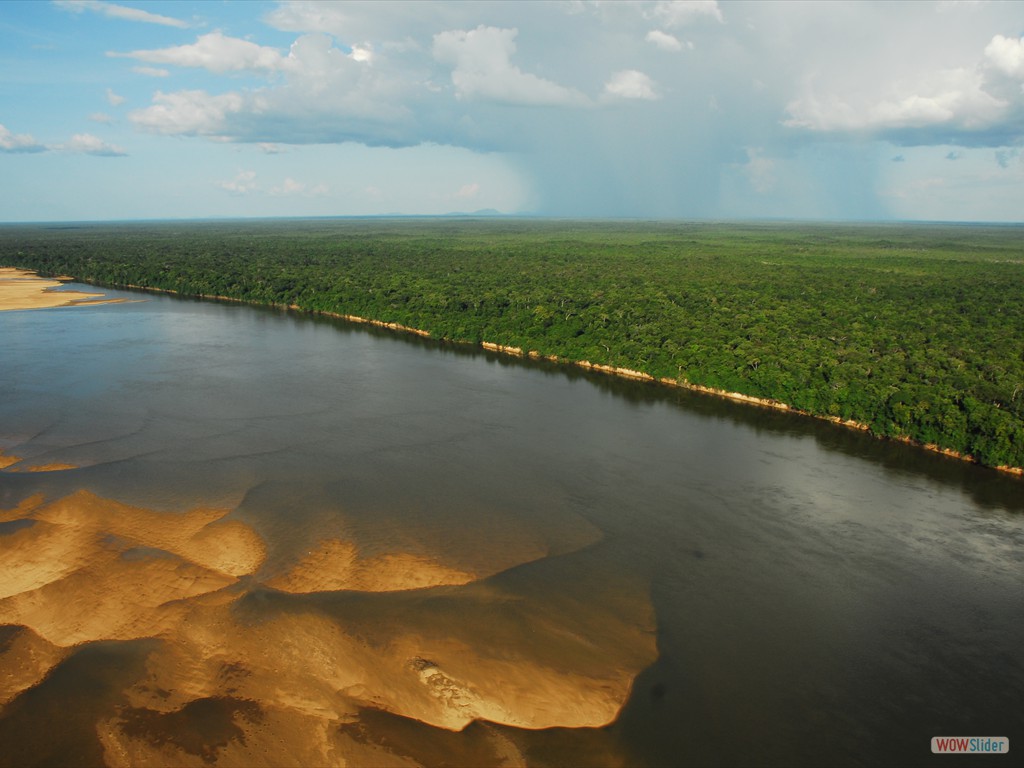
(261, 537)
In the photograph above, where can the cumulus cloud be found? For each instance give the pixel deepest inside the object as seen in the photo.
(82, 143)
(195, 113)
(315, 65)
(312, 16)
(319, 93)
(955, 98)
(630, 84)
(215, 52)
(384, 92)
(666, 41)
(87, 144)
(481, 68)
(115, 11)
(1006, 54)
(290, 187)
(101, 117)
(114, 99)
(978, 104)
(152, 71)
(18, 142)
(243, 183)
(678, 13)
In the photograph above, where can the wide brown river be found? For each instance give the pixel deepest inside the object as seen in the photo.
(254, 537)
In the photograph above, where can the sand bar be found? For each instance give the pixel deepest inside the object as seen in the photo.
(21, 289)
(275, 673)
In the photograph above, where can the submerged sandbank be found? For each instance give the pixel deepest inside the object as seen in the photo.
(12, 463)
(22, 289)
(288, 667)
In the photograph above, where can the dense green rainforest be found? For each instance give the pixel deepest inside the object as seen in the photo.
(915, 330)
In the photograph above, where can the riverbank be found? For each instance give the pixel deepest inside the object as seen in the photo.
(24, 289)
(739, 397)
(626, 373)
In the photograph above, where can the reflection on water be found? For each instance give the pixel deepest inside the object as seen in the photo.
(270, 539)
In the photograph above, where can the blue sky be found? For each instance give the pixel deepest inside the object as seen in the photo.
(595, 109)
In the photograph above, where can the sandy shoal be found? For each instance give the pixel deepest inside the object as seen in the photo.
(21, 289)
(281, 670)
(7, 459)
(336, 565)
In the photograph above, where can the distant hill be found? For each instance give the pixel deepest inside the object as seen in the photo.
(481, 212)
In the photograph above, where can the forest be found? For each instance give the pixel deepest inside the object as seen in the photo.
(915, 330)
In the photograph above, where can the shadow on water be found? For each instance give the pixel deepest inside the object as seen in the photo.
(54, 723)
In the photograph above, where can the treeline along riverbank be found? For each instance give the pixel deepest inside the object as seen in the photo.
(916, 331)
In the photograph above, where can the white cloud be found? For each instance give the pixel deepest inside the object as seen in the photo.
(288, 187)
(678, 13)
(311, 16)
(362, 53)
(482, 68)
(120, 12)
(291, 187)
(82, 143)
(243, 183)
(270, 148)
(666, 41)
(101, 117)
(630, 84)
(321, 94)
(188, 112)
(151, 71)
(215, 52)
(114, 99)
(18, 142)
(87, 144)
(314, 63)
(468, 191)
(1007, 55)
(952, 97)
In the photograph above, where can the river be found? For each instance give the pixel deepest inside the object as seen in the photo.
(266, 537)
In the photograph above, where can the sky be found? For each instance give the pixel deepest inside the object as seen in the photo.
(652, 110)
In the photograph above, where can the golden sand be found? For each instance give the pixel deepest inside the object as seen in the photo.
(21, 289)
(336, 565)
(87, 568)
(8, 460)
(268, 677)
(27, 660)
(51, 467)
